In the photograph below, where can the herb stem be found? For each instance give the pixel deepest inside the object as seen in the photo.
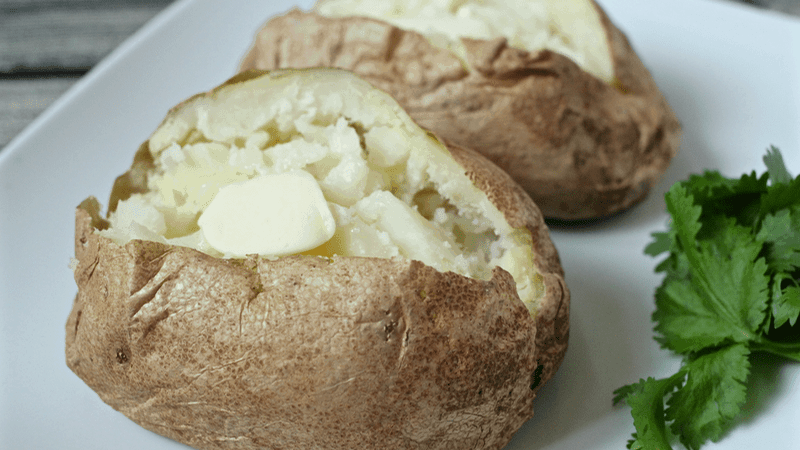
(789, 350)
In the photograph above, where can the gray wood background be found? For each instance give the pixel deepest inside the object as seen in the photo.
(47, 45)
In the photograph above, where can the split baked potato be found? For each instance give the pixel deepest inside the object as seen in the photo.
(292, 263)
(549, 90)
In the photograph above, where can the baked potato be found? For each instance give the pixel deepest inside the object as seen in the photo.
(549, 90)
(292, 263)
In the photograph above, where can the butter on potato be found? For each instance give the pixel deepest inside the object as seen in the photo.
(291, 262)
(277, 214)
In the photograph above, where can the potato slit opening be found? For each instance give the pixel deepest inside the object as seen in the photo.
(386, 188)
(569, 27)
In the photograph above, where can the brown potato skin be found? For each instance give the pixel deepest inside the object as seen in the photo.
(581, 147)
(305, 352)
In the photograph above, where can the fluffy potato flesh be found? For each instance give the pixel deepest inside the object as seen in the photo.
(569, 27)
(318, 163)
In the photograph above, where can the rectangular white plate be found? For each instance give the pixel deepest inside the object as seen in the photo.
(732, 74)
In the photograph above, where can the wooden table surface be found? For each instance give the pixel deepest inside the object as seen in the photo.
(47, 45)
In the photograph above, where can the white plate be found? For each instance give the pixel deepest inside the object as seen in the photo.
(731, 73)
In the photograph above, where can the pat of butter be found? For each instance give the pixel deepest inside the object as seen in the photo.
(276, 215)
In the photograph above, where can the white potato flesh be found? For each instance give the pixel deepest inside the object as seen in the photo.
(568, 27)
(370, 181)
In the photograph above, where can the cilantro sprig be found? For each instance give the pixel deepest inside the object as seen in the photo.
(731, 288)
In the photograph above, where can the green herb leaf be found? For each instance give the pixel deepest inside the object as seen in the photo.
(737, 283)
(731, 287)
(775, 166)
(704, 408)
(786, 305)
(737, 198)
(662, 243)
(646, 399)
(685, 321)
(685, 219)
(726, 294)
(780, 196)
(781, 232)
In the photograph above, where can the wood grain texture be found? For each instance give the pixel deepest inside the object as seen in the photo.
(67, 38)
(21, 101)
(47, 45)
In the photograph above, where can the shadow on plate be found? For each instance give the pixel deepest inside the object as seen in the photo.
(600, 358)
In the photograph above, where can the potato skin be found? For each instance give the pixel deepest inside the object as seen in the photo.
(309, 353)
(581, 147)
(300, 352)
